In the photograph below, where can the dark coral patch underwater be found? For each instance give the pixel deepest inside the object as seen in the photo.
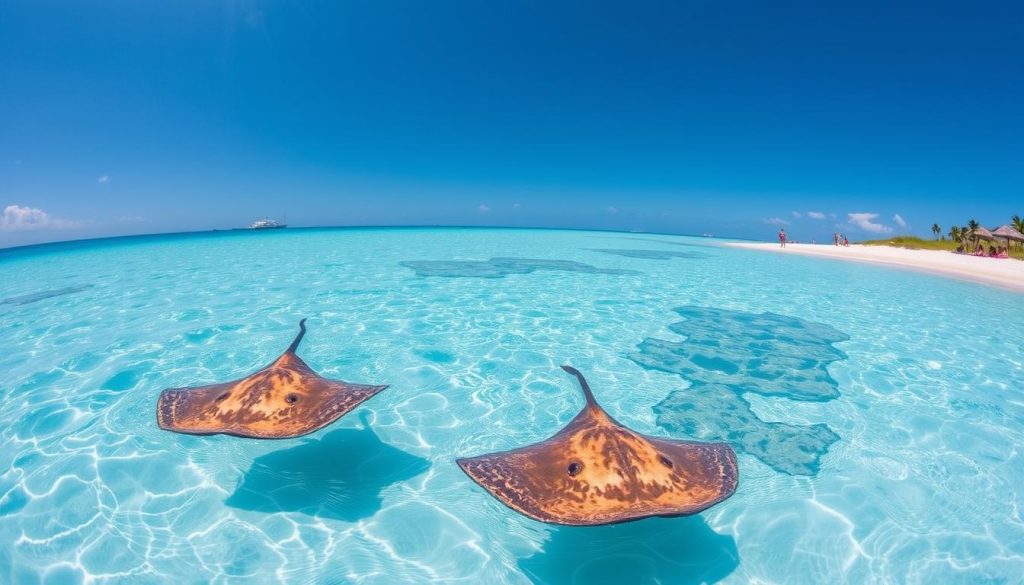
(717, 411)
(728, 353)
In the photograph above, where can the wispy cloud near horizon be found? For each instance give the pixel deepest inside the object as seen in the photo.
(815, 215)
(865, 221)
(898, 220)
(18, 218)
(774, 221)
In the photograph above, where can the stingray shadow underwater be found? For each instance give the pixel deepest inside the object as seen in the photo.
(671, 551)
(339, 476)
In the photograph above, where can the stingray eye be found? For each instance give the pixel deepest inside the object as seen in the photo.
(575, 467)
(223, 396)
(665, 461)
(291, 398)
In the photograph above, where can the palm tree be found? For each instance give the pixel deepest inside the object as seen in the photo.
(973, 225)
(954, 234)
(1018, 224)
(936, 230)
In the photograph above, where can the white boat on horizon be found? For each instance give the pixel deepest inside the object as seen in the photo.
(266, 224)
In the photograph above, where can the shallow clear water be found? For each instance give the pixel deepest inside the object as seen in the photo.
(878, 415)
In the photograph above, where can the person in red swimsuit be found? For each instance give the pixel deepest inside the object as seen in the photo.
(782, 237)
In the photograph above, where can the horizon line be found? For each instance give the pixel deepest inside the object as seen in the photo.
(24, 247)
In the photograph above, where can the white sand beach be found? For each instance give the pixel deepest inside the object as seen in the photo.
(1004, 273)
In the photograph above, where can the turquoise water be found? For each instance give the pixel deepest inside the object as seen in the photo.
(878, 415)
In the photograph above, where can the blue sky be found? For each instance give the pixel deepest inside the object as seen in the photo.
(725, 117)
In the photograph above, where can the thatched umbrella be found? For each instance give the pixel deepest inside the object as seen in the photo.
(980, 232)
(1009, 232)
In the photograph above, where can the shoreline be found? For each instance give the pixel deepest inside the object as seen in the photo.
(1007, 274)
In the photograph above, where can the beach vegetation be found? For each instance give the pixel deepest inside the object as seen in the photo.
(919, 243)
(958, 236)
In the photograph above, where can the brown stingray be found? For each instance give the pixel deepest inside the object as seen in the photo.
(283, 400)
(596, 471)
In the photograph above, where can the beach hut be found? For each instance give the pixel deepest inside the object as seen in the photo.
(1009, 232)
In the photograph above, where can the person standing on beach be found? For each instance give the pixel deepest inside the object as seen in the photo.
(782, 237)
(835, 238)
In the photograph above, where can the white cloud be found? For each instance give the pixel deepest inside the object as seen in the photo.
(103, 179)
(815, 215)
(516, 206)
(796, 214)
(864, 222)
(18, 218)
(899, 221)
(483, 208)
(613, 209)
(775, 221)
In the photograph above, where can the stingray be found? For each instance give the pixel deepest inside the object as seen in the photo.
(596, 471)
(283, 400)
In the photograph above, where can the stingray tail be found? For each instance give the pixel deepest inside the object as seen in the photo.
(583, 382)
(298, 338)
(364, 419)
